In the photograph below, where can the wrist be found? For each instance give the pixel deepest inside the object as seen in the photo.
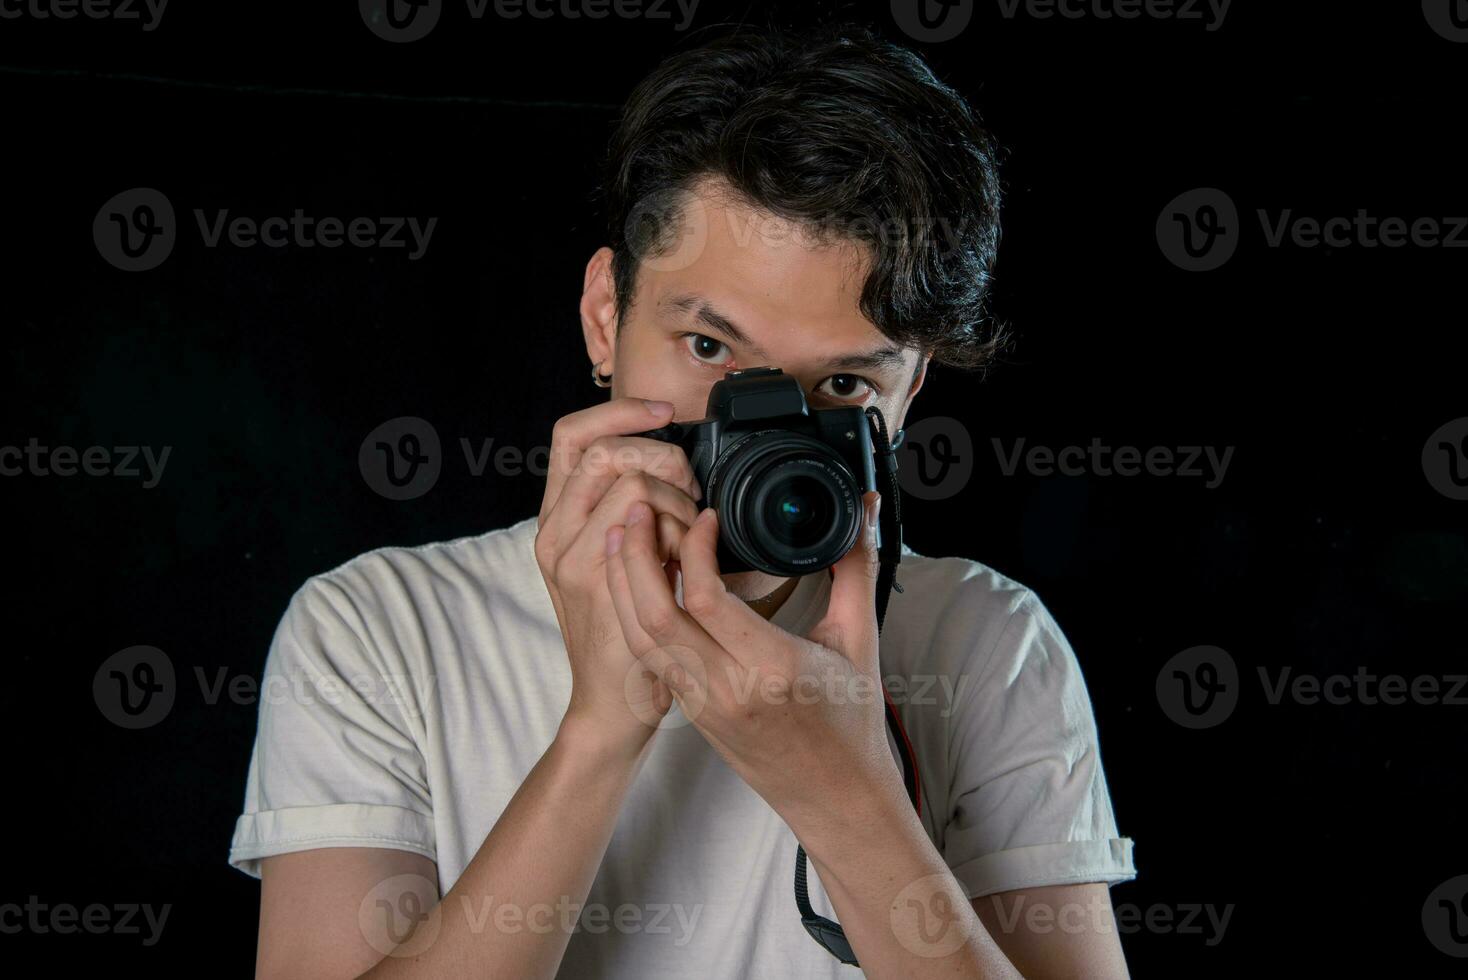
(880, 850)
(594, 741)
(871, 814)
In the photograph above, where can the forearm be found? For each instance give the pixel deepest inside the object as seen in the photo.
(512, 911)
(904, 913)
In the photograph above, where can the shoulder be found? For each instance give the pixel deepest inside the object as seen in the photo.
(932, 581)
(959, 614)
(493, 559)
(397, 590)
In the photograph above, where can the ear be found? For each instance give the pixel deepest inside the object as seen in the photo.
(917, 384)
(599, 311)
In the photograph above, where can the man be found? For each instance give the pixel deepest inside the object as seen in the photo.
(500, 782)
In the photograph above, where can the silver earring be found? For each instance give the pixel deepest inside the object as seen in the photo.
(600, 380)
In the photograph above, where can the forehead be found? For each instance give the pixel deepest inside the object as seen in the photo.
(772, 276)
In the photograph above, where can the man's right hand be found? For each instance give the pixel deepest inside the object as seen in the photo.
(597, 470)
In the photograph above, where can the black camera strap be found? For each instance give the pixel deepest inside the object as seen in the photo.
(889, 553)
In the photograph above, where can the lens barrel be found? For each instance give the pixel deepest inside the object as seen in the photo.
(788, 504)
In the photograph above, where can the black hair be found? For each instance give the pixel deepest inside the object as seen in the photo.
(843, 133)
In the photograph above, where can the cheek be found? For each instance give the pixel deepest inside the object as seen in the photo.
(891, 407)
(651, 365)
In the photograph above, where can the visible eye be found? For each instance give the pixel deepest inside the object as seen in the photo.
(847, 387)
(706, 349)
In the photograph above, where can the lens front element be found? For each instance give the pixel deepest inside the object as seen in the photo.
(788, 503)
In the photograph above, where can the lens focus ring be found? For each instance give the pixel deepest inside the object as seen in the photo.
(788, 503)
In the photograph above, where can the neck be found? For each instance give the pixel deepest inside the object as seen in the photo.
(768, 605)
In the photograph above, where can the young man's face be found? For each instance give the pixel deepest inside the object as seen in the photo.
(741, 289)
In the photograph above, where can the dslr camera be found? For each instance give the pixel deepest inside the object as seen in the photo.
(786, 480)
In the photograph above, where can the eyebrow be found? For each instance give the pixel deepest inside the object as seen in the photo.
(706, 314)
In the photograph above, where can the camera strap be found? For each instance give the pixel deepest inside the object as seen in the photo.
(824, 931)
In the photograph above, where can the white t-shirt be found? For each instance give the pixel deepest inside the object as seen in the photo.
(408, 693)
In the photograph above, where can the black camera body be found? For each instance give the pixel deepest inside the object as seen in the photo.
(786, 480)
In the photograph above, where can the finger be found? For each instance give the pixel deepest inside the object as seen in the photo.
(850, 623)
(574, 432)
(653, 603)
(676, 666)
(587, 546)
(670, 532)
(608, 458)
(722, 614)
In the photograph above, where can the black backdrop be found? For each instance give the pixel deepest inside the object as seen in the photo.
(1327, 547)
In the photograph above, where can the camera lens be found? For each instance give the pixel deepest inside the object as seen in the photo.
(788, 504)
(797, 510)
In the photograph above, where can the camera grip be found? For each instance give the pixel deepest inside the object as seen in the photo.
(672, 432)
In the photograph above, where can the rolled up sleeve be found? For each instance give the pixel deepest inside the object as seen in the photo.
(336, 761)
(1029, 804)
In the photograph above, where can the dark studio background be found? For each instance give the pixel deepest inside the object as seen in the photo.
(1325, 548)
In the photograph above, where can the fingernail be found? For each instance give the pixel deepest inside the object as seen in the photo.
(657, 408)
(876, 509)
(704, 516)
(637, 512)
(614, 540)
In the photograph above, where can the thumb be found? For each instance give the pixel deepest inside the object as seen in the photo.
(850, 623)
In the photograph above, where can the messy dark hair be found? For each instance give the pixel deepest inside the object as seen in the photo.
(840, 132)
